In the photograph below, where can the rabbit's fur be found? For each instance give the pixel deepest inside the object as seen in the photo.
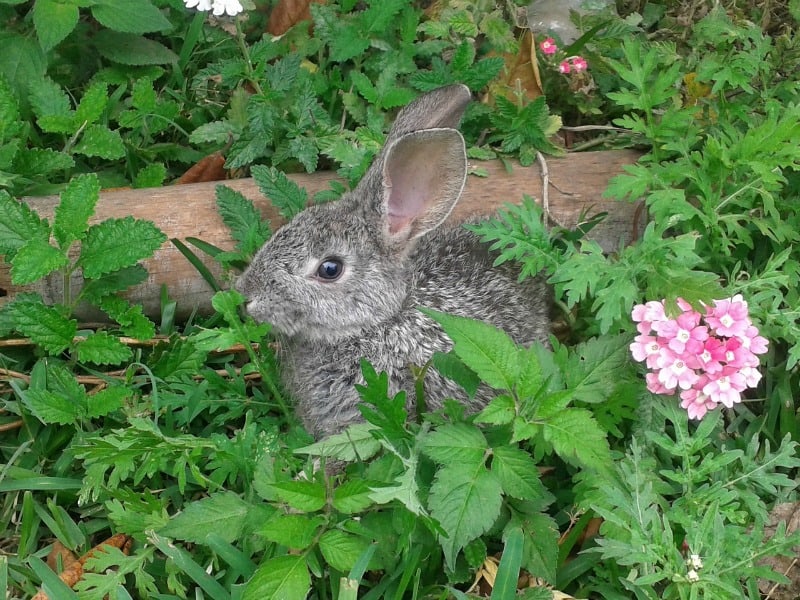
(397, 255)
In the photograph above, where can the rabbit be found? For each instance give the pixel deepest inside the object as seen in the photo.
(343, 281)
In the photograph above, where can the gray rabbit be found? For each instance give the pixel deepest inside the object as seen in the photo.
(343, 281)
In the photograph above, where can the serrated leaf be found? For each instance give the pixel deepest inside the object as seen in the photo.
(110, 283)
(18, 224)
(245, 222)
(485, 349)
(354, 443)
(100, 404)
(449, 365)
(51, 408)
(517, 473)
(594, 367)
(9, 111)
(531, 377)
(341, 549)
(41, 161)
(466, 503)
(293, 531)
(216, 132)
(153, 175)
(48, 99)
(129, 16)
(44, 325)
(99, 140)
(541, 546)
(305, 496)
(222, 513)
(130, 318)
(288, 197)
(281, 578)
(53, 21)
(101, 348)
(118, 243)
(352, 497)
(35, 260)
(578, 439)
(76, 205)
(457, 443)
(92, 104)
(500, 411)
(132, 49)
(405, 489)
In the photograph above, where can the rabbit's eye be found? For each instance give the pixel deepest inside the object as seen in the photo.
(330, 269)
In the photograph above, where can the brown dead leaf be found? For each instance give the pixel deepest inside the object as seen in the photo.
(288, 13)
(59, 551)
(73, 571)
(209, 168)
(521, 74)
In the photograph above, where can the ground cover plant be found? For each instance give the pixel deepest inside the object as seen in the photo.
(641, 457)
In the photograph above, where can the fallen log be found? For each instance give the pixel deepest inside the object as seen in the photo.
(576, 184)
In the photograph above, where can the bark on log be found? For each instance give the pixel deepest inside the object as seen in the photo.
(577, 182)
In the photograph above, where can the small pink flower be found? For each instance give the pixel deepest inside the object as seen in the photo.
(726, 388)
(645, 348)
(696, 403)
(548, 46)
(579, 64)
(655, 386)
(729, 317)
(563, 67)
(683, 334)
(754, 342)
(674, 371)
(646, 314)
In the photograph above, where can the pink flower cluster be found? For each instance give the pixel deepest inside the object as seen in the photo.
(711, 358)
(572, 63)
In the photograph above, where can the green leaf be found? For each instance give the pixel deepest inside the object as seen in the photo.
(101, 348)
(449, 365)
(96, 289)
(405, 489)
(355, 443)
(288, 197)
(517, 473)
(466, 502)
(245, 222)
(505, 585)
(352, 497)
(132, 49)
(18, 224)
(104, 402)
(44, 325)
(531, 377)
(458, 443)
(52, 107)
(485, 349)
(222, 513)
(129, 16)
(99, 140)
(541, 546)
(118, 243)
(594, 367)
(53, 21)
(52, 408)
(578, 439)
(41, 161)
(500, 411)
(153, 175)
(23, 65)
(35, 260)
(76, 205)
(341, 549)
(305, 496)
(131, 318)
(293, 531)
(92, 104)
(281, 578)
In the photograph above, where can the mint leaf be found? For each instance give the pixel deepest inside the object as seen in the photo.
(24, 64)
(18, 224)
(35, 260)
(53, 21)
(305, 496)
(129, 16)
(485, 349)
(118, 243)
(288, 197)
(99, 140)
(466, 502)
(132, 49)
(52, 107)
(130, 318)
(92, 104)
(44, 325)
(76, 205)
(101, 348)
(245, 222)
(293, 531)
(100, 404)
(222, 513)
(49, 407)
(281, 578)
(117, 281)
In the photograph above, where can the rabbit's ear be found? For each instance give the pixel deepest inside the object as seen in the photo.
(423, 177)
(442, 107)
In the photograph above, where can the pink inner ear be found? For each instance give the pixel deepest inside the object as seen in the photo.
(406, 201)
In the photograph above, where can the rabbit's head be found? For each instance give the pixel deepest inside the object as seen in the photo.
(339, 268)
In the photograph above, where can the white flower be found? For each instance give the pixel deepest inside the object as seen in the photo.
(695, 562)
(692, 576)
(218, 7)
